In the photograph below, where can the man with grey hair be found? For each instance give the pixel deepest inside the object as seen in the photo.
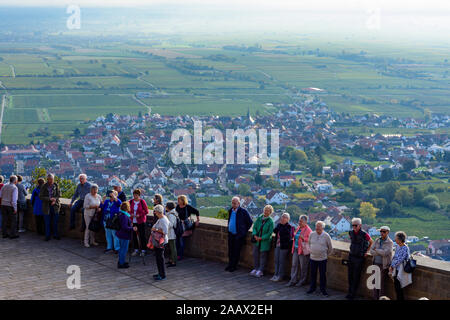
(300, 253)
(239, 222)
(8, 195)
(359, 249)
(83, 188)
(320, 248)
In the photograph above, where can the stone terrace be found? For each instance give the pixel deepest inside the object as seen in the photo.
(31, 268)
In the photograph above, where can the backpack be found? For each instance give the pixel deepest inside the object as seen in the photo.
(114, 222)
(178, 227)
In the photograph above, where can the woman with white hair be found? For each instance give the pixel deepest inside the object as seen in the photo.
(261, 239)
(284, 234)
(320, 248)
(91, 204)
(160, 238)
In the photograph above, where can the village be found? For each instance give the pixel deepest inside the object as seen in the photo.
(134, 151)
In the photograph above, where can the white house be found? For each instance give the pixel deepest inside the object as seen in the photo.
(341, 224)
(276, 197)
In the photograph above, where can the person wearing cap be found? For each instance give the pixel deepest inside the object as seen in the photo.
(381, 251)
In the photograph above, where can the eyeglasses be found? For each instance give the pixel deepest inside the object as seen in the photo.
(355, 225)
(383, 231)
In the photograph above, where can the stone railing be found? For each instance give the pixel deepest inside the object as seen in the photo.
(431, 278)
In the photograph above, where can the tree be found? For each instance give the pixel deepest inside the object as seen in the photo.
(258, 178)
(222, 214)
(368, 212)
(354, 182)
(404, 197)
(368, 177)
(297, 156)
(66, 186)
(408, 165)
(347, 196)
(244, 189)
(387, 174)
(388, 192)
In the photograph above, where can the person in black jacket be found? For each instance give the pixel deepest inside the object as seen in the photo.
(185, 211)
(284, 233)
(120, 194)
(239, 222)
(359, 249)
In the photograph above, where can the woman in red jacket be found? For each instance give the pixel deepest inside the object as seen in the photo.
(138, 215)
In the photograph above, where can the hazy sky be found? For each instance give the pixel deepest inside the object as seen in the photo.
(338, 5)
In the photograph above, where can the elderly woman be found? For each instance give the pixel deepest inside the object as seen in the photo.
(37, 207)
(160, 238)
(110, 208)
(320, 248)
(91, 205)
(139, 211)
(283, 234)
(300, 253)
(261, 238)
(401, 278)
(184, 211)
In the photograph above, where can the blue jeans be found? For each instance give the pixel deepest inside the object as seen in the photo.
(51, 221)
(111, 239)
(180, 246)
(123, 250)
(75, 208)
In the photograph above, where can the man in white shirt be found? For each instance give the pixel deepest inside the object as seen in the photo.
(9, 194)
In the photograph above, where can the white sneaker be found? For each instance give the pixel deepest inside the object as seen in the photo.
(21, 230)
(274, 278)
(259, 274)
(135, 253)
(253, 273)
(94, 243)
(87, 245)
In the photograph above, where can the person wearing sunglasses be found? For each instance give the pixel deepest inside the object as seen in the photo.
(382, 256)
(359, 248)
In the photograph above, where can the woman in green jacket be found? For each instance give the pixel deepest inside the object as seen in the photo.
(261, 238)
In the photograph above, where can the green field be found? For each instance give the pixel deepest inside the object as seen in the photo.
(53, 86)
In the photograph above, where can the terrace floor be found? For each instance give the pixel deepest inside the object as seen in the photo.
(31, 268)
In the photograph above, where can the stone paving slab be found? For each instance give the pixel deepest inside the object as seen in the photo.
(31, 268)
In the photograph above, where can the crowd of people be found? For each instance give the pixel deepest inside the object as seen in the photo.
(125, 221)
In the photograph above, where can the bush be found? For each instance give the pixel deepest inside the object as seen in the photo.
(431, 202)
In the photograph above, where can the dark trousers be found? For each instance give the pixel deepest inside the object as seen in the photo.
(322, 267)
(159, 253)
(235, 244)
(180, 247)
(77, 206)
(8, 217)
(398, 289)
(355, 266)
(51, 223)
(377, 293)
(40, 224)
(141, 233)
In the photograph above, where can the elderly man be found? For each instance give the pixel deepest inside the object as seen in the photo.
(359, 249)
(83, 188)
(120, 194)
(8, 195)
(320, 248)
(239, 222)
(300, 253)
(382, 257)
(50, 194)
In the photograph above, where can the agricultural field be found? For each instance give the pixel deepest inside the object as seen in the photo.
(68, 84)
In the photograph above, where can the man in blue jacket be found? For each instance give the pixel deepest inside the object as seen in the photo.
(239, 222)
